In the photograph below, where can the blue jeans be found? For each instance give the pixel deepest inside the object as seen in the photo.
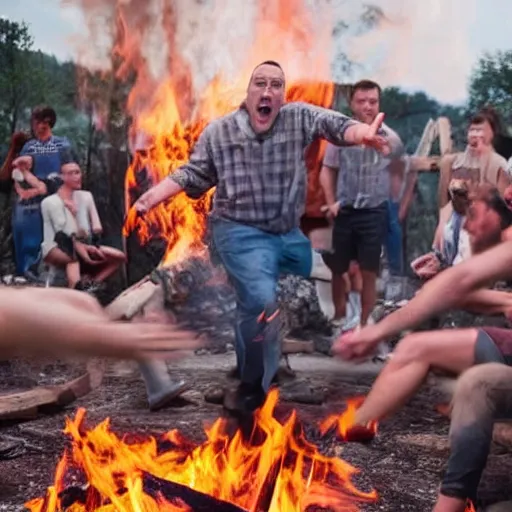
(394, 240)
(27, 232)
(254, 260)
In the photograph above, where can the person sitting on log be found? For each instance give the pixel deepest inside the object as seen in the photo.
(254, 157)
(452, 350)
(72, 234)
(483, 395)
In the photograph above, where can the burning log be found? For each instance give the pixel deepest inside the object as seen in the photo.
(183, 496)
(166, 495)
(197, 295)
(270, 469)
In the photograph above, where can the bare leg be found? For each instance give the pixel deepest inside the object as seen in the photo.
(114, 259)
(369, 294)
(339, 296)
(451, 350)
(59, 258)
(356, 279)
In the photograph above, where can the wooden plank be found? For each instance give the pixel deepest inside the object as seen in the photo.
(445, 135)
(292, 346)
(131, 301)
(28, 404)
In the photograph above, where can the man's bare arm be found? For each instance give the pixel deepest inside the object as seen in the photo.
(449, 289)
(328, 177)
(155, 195)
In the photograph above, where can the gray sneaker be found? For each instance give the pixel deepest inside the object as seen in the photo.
(163, 399)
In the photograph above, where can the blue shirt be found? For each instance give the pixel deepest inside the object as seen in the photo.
(46, 155)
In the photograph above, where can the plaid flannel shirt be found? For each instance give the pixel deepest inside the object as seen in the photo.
(260, 180)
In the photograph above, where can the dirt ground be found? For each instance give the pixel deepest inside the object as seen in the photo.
(404, 463)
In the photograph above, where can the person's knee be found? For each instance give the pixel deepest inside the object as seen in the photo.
(411, 348)
(259, 297)
(114, 254)
(480, 380)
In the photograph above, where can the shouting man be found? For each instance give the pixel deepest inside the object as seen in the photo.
(255, 159)
(357, 186)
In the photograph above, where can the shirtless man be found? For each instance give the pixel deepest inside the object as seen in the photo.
(453, 350)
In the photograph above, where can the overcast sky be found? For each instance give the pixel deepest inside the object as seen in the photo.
(446, 37)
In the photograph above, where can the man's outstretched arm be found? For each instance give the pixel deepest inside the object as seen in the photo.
(449, 289)
(195, 177)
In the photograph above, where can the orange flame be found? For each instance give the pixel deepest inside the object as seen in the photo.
(181, 222)
(233, 469)
(171, 105)
(342, 423)
(470, 507)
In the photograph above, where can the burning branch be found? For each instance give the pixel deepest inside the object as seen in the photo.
(273, 469)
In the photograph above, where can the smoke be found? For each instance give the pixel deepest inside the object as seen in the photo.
(416, 45)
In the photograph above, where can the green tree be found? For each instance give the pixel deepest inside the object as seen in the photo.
(16, 77)
(491, 84)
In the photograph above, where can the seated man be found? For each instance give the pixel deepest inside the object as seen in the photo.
(453, 350)
(487, 220)
(72, 231)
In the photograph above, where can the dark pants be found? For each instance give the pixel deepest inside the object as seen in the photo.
(253, 260)
(483, 395)
(358, 234)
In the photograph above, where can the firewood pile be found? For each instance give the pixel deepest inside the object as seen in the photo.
(199, 297)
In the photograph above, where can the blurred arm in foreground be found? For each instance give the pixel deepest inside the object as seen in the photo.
(58, 322)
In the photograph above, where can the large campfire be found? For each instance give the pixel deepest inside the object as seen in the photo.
(265, 466)
(269, 465)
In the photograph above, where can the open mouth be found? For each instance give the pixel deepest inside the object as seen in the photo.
(264, 110)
